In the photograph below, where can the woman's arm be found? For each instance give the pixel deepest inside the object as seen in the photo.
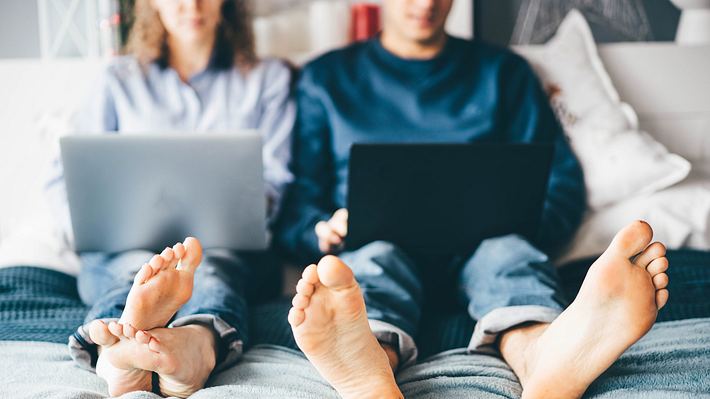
(276, 125)
(96, 114)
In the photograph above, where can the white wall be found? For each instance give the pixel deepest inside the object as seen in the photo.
(460, 22)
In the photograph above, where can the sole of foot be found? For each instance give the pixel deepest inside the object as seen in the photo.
(330, 325)
(616, 306)
(183, 357)
(162, 286)
(121, 376)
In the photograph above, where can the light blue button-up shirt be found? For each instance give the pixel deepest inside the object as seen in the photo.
(132, 99)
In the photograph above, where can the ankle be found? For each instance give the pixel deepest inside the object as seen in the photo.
(518, 347)
(386, 388)
(206, 338)
(536, 390)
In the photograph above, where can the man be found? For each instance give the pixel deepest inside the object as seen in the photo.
(414, 83)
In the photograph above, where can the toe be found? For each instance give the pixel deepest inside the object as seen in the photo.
(632, 239)
(169, 258)
(652, 252)
(167, 254)
(305, 288)
(296, 317)
(116, 329)
(333, 273)
(661, 298)
(144, 274)
(179, 250)
(193, 255)
(660, 281)
(155, 345)
(129, 331)
(143, 337)
(310, 275)
(658, 265)
(157, 263)
(100, 334)
(300, 301)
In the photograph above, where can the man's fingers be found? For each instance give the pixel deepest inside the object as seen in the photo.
(327, 233)
(323, 230)
(335, 239)
(339, 227)
(339, 222)
(327, 237)
(323, 246)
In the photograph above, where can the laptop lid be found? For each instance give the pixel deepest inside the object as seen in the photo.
(151, 191)
(445, 198)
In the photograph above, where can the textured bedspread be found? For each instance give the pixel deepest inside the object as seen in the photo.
(40, 308)
(665, 364)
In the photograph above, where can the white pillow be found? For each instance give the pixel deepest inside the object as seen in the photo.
(679, 215)
(618, 160)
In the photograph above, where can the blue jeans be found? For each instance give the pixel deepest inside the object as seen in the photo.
(505, 283)
(223, 283)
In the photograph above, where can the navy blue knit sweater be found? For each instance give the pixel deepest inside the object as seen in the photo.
(470, 92)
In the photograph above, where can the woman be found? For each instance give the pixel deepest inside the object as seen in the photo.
(190, 66)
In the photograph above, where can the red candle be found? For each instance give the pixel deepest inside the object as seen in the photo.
(365, 21)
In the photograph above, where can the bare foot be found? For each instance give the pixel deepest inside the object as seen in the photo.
(616, 306)
(183, 357)
(330, 325)
(121, 377)
(162, 286)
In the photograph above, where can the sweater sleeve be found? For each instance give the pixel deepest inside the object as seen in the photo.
(309, 198)
(529, 118)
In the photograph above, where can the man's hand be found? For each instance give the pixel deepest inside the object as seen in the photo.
(332, 233)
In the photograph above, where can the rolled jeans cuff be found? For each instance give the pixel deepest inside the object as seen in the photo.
(499, 320)
(82, 348)
(397, 339)
(229, 348)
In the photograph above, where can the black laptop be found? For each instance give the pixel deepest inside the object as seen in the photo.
(445, 198)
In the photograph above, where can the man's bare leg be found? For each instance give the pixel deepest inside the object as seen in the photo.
(330, 325)
(616, 306)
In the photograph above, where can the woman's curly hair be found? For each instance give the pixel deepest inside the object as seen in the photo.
(234, 44)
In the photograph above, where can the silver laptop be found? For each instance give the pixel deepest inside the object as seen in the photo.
(151, 191)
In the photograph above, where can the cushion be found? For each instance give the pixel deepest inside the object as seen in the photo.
(618, 160)
(679, 215)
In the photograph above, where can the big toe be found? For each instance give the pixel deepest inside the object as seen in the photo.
(193, 254)
(632, 239)
(100, 334)
(333, 273)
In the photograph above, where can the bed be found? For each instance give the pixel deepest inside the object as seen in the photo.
(667, 85)
(39, 308)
